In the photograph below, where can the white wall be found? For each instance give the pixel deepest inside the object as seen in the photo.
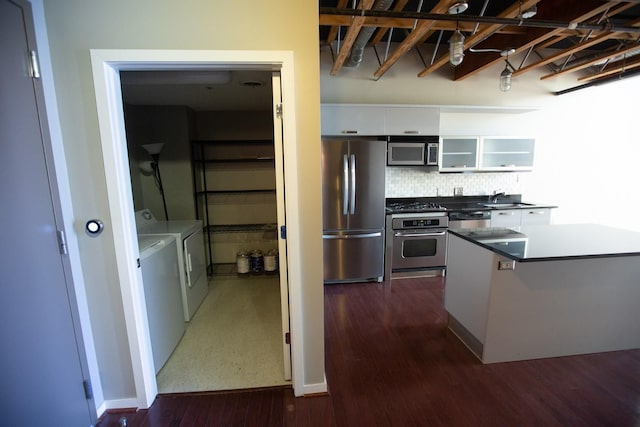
(587, 141)
(172, 126)
(74, 27)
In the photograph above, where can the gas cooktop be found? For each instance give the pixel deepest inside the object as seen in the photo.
(413, 206)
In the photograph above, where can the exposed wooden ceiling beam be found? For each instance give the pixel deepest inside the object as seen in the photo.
(615, 68)
(352, 33)
(511, 12)
(591, 62)
(586, 10)
(412, 39)
(566, 52)
(333, 31)
(400, 4)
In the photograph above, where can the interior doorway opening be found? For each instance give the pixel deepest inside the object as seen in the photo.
(107, 65)
(212, 133)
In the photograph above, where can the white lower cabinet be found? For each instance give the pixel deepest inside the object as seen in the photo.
(535, 216)
(506, 218)
(517, 217)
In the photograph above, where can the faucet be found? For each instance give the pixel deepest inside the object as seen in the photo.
(495, 196)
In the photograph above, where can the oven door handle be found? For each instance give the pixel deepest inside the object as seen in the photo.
(352, 236)
(401, 234)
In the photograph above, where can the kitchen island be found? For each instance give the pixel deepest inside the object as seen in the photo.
(543, 291)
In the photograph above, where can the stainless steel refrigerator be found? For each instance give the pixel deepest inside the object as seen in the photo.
(353, 208)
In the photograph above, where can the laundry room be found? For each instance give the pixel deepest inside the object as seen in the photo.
(204, 169)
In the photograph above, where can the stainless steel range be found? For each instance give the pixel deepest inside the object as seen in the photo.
(416, 243)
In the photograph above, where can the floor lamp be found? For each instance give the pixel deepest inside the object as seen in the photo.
(154, 152)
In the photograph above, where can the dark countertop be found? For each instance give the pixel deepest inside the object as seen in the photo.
(555, 242)
(470, 203)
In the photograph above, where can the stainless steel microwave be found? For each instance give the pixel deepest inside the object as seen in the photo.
(413, 151)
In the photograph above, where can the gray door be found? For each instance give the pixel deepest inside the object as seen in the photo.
(42, 359)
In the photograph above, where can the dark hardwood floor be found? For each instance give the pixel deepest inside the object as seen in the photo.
(390, 361)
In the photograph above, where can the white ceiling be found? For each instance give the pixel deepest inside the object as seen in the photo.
(218, 90)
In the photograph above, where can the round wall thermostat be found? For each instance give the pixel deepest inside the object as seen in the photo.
(94, 227)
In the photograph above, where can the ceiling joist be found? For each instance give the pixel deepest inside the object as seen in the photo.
(579, 34)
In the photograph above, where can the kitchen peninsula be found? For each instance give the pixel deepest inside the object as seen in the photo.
(544, 291)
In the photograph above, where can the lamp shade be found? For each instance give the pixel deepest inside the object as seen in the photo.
(153, 148)
(456, 48)
(505, 79)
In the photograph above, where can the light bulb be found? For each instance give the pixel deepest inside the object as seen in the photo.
(456, 48)
(505, 79)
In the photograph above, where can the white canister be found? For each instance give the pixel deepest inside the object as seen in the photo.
(271, 261)
(242, 262)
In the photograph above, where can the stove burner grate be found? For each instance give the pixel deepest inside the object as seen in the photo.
(414, 206)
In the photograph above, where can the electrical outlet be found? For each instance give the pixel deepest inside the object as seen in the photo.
(507, 265)
(457, 191)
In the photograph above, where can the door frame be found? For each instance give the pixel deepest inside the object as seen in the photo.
(106, 66)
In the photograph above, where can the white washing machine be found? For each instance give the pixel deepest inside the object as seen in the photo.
(191, 255)
(162, 295)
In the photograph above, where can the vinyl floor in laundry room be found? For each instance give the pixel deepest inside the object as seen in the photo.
(233, 341)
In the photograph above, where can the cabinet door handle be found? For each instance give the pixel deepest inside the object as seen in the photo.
(506, 213)
(350, 132)
(536, 212)
(412, 132)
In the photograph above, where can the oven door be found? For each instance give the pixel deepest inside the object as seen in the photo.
(416, 249)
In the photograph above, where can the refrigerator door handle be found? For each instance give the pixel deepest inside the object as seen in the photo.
(352, 202)
(345, 189)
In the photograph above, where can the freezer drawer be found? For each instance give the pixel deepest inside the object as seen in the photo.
(353, 256)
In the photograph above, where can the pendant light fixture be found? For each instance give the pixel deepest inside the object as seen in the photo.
(505, 75)
(456, 42)
(456, 48)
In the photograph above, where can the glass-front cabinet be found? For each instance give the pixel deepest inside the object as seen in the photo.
(459, 154)
(503, 153)
(486, 154)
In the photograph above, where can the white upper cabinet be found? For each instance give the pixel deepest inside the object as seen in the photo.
(459, 153)
(352, 120)
(504, 153)
(487, 154)
(411, 120)
(368, 120)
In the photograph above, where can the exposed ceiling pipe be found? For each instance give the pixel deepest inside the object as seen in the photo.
(534, 23)
(357, 50)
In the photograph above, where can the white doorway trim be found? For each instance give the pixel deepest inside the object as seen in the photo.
(106, 66)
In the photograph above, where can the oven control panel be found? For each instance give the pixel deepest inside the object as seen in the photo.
(419, 222)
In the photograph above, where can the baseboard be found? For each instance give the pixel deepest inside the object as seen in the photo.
(122, 404)
(318, 388)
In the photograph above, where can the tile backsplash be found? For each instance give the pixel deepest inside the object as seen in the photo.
(415, 182)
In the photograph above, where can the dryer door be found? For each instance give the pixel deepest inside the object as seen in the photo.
(194, 258)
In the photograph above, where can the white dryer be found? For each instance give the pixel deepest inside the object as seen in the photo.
(191, 255)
